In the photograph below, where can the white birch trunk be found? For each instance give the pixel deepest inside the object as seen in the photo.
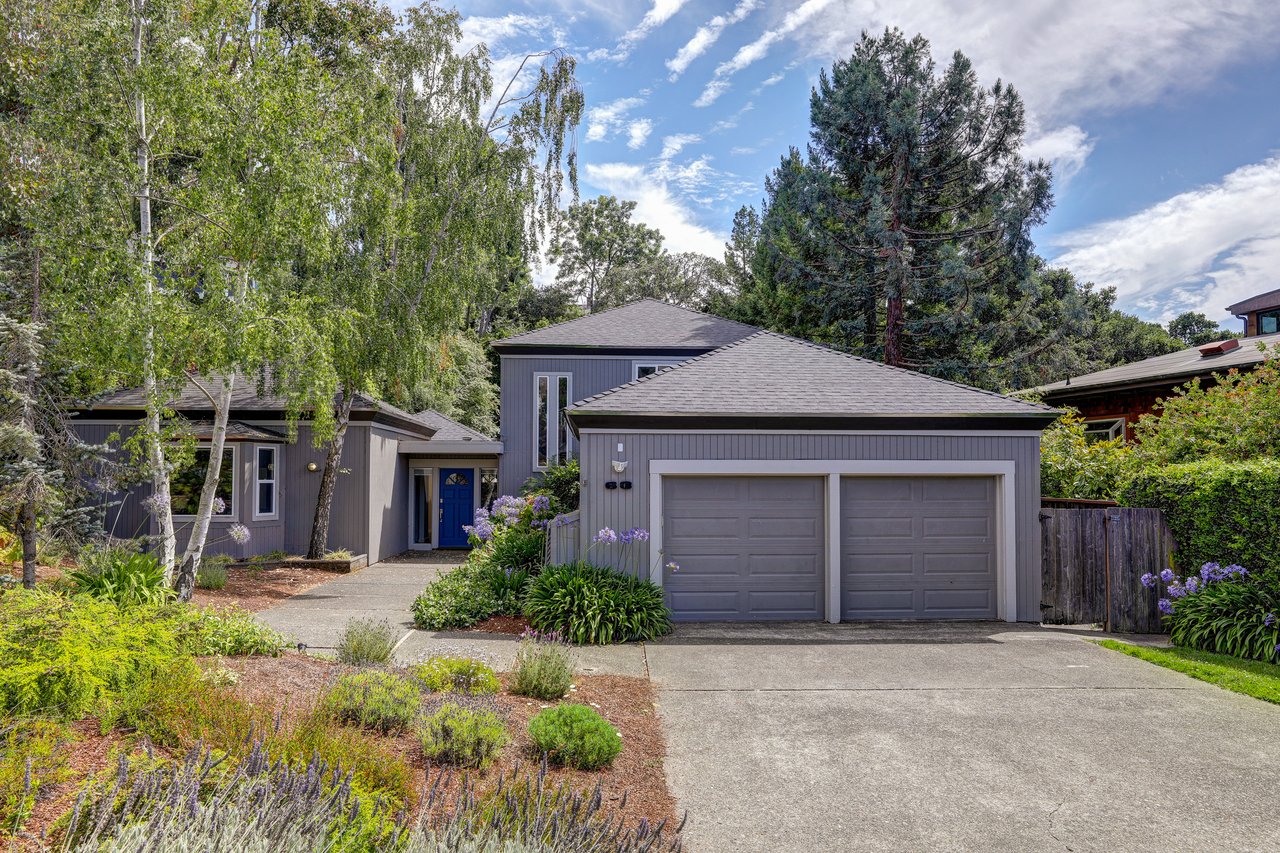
(186, 580)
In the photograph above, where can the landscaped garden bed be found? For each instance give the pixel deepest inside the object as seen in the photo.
(255, 587)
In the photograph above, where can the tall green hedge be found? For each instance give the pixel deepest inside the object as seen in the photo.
(1222, 512)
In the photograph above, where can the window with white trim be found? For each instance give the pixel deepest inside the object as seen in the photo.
(266, 495)
(1104, 429)
(641, 369)
(552, 392)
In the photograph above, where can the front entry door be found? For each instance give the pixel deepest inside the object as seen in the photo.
(457, 507)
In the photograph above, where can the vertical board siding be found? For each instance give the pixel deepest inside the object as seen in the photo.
(349, 515)
(388, 496)
(563, 540)
(590, 376)
(623, 509)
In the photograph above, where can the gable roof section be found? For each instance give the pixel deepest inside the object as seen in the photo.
(1270, 299)
(1180, 366)
(448, 429)
(646, 325)
(773, 381)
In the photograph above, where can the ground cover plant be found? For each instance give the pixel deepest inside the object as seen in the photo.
(212, 573)
(543, 666)
(456, 675)
(463, 732)
(593, 604)
(1252, 678)
(377, 700)
(576, 736)
(366, 641)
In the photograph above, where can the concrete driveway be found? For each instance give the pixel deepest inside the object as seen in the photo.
(977, 737)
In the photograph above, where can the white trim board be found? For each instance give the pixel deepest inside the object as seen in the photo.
(1006, 507)
(958, 433)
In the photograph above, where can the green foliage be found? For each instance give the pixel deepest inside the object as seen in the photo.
(1226, 512)
(561, 482)
(507, 586)
(594, 241)
(576, 736)
(224, 631)
(366, 641)
(515, 547)
(1252, 678)
(1194, 329)
(543, 668)
(1237, 418)
(212, 573)
(65, 656)
(126, 578)
(377, 700)
(592, 604)
(1240, 618)
(461, 735)
(1072, 466)
(457, 599)
(33, 755)
(456, 675)
(339, 554)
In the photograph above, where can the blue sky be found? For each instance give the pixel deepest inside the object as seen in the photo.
(1161, 117)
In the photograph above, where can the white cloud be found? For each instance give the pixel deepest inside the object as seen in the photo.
(1200, 250)
(659, 13)
(637, 132)
(707, 35)
(753, 52)
(672, 144)
(607, 119)
(656, 206)
(1065, 148)
(730, 122)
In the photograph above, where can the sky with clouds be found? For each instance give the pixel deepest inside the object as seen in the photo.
(1161, 117)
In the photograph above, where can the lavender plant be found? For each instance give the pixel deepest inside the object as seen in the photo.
(366, 641)
(378, 700)
(456, 675)
(543, 667)
(464, 731)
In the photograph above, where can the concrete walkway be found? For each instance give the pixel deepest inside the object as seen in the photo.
(983, 737)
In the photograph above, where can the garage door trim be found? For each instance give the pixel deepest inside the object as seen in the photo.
(834, 470)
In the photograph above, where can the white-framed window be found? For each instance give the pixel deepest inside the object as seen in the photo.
(1104, 429)
(641, 369)
(266, 493)
(552, 443)
(186, 483)
(421, 506)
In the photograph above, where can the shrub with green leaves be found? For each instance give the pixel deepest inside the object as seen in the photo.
(517, 548)
(1227, 512)
(376, 700)
(459, 598)
(593, 604)
(366, 641)
(33, 756)
(1073, 466)
(543, 667)
(212, 573)
(64, 655)
(462, 732)
(508, 586)
(226, 631)
(1239, 617)
(456, 675)
(125, 578)
(575, 736)
(561, 483)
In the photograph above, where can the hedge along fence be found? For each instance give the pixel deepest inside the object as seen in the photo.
(1219, 512)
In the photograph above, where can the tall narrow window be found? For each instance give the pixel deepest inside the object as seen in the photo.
(552, 442)
(264, 470)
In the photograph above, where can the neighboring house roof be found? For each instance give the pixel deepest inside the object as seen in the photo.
(246, 401)
(801, 384)
(1174, 367)
(644, 325)
(1270, 299)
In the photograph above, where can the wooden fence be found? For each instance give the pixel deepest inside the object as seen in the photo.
(562, 539)
(1093, 560)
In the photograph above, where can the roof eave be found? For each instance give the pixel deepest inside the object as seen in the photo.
(676, 421)
(588, 349)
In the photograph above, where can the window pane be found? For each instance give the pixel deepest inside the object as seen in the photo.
(488, 485)
(1268, 324)
(266, 498)
(543, 391)
(457, 480)
(646, 370)
(266, 463)
(563, 434)
(185, 483)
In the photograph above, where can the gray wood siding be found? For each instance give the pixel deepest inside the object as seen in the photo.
(349, 515)
(590, 376)
(388, 496)
(623, 509)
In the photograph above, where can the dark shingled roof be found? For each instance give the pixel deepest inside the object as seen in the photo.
(643, 325)
(1270, 299)
(1177, 366)
(236, 431)
(448, 429)
(773, 376)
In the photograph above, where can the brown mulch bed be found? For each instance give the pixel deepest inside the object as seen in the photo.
(294, 681)
(501, 625)
(259, 588)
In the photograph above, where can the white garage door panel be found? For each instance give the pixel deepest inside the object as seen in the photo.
(918, 548)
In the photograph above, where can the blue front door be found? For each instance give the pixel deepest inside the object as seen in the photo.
(457, 506)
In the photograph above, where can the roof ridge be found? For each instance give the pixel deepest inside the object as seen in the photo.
(642, 299)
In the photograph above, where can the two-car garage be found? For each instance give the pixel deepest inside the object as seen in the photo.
(756, 547)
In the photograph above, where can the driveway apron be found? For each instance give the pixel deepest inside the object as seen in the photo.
(978, 736)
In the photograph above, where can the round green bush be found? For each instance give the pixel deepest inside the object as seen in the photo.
(463, 735)
(376, 700)
(576, 736)
(459, 598)
(456, 675)
(592, 604)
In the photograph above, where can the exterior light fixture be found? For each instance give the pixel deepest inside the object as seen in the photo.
(311, 466)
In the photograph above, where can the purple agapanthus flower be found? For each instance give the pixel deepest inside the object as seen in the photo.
(541, 504)
(1192, 585)
(606, 534)
(1234, 569)
(155, 504)
(1148, 580)
(1168, 576)
(1268, 620)
(673, 566)
(639, 534)
(219, 505)
(239, 533)
(1176, 590)
(1165, 605)
(482, 528)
